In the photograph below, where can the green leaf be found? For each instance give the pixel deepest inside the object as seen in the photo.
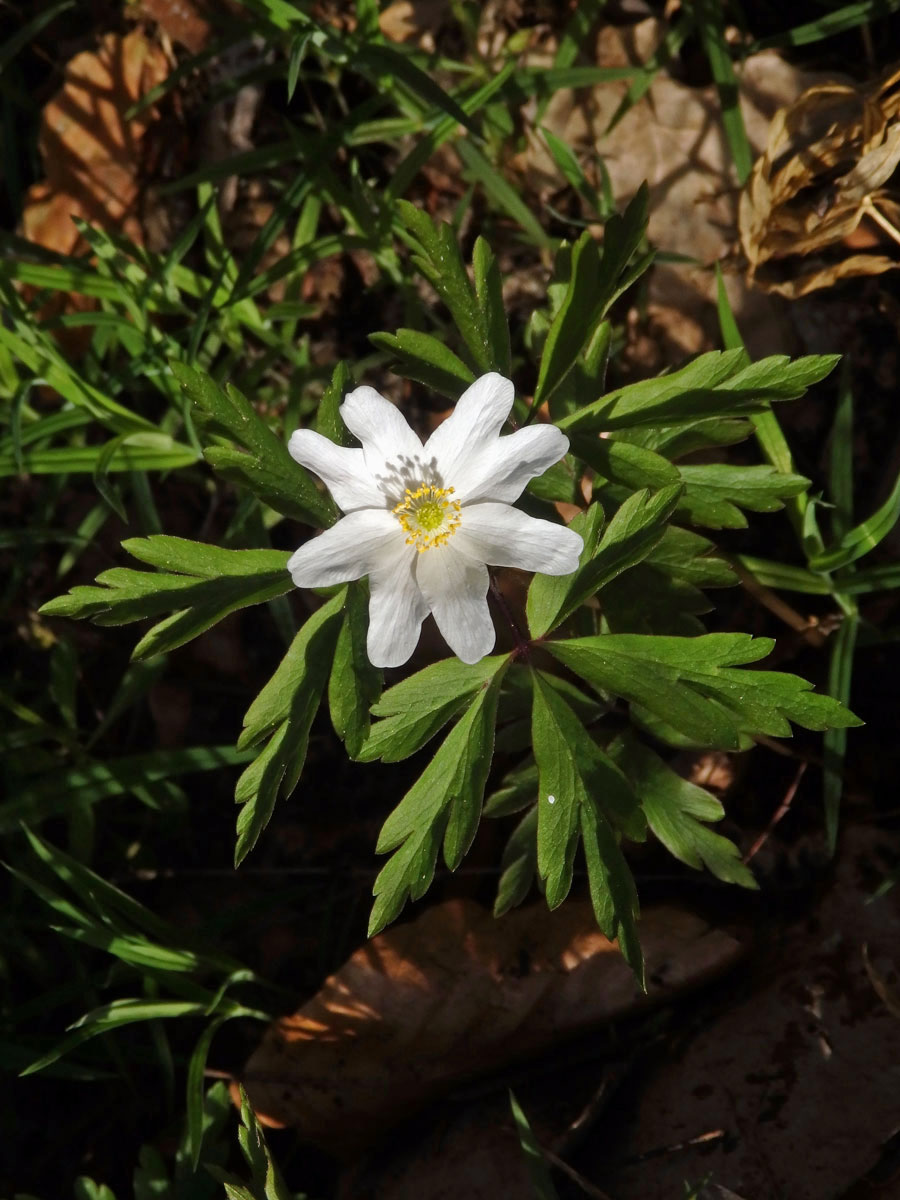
(427, 360)
(715, 493)
(840, 678)
(613, 893)
(678, 812)
(710, 19)
(416, 708)
(594, 282)
(62, 790)
(489, 293)
(691, 685)
(535, 1164)
(438, 258)
(575, 320)
(646, 599)
(284, 711)
(861, 538)
(717, 384)
(625, 463)
(629, 537)
(354, 684)
(115, 1016)
(262, 463)
(686, 555)
(198, 584)
(328, 417)
(518, 790)
(573, 770)
(444, 802)
(518, 866)
(196, 1090)
(547, 594)
(500, 191)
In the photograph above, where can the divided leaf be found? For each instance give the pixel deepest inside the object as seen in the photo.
(678, 812)
(416, 708)
(354, 684)
(633, 532)
(262, 463)
(197, 584)
(595, 281)
(284, 711)
(715, 493)
(575, 778)
(717, 384)
(690, 684)
(477, 312)
(444, 802)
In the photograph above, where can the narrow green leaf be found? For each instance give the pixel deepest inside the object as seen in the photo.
(535, 1164)
(720, 383)
(862, 538)
(710, 18)
(263, 464)
(840, 678)
(547, 594)
(623, 462)
(196, 1089)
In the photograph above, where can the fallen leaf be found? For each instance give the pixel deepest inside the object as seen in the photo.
(451, 995)
(827, 159)
(184, 21)
(92, 156)
(673, 138)
(414, 21)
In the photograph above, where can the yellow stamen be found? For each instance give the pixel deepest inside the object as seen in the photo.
(428, 516)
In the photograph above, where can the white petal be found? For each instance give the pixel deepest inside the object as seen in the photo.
(502, 469)
(477, 419)
(455, 589)
(505, 537)
(353, 547)
(388, 442)
(396, 608)
(342, 469)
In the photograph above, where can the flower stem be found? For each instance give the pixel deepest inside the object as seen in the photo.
(521, 642)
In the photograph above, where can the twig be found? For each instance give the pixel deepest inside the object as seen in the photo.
(577, 1178)
(521, 642)
(779, 813)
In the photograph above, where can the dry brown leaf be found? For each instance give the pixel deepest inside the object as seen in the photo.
(451, 995)
(184, 21)
(827, 159)
(414, 21)
(92, 155)
(673, 138)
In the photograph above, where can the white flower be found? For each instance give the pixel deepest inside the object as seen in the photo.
(422, 521)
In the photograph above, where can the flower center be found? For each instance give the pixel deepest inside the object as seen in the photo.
(428, 516)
